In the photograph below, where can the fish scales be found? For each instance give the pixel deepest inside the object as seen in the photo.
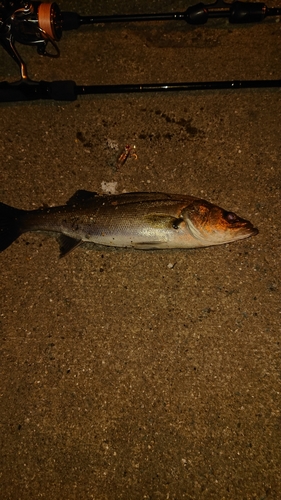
(100, 218)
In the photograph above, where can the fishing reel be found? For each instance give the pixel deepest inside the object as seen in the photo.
(29, 23)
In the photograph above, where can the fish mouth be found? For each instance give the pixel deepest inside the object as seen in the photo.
(254, 231)
(247, 229)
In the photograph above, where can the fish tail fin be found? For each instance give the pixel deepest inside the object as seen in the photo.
(9, 225)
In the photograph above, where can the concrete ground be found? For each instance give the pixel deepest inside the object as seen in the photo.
(144, 374)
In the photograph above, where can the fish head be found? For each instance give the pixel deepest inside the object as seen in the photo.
(212, 225)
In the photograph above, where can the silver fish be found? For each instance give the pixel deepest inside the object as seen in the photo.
(138, 220)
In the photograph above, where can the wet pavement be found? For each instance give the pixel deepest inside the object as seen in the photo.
(144, 374)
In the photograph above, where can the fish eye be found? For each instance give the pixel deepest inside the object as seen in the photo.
(231, 217)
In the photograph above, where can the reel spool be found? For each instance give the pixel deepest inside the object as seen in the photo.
(49, 21)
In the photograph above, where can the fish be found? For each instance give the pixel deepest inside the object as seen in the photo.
(137, 220)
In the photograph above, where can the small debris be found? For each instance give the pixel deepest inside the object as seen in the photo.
(171, 266)
(109, 187)
(112, 144)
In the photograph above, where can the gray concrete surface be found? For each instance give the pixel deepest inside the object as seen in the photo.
(144, 375)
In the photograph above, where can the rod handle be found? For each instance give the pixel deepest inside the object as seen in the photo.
(247, 12)
(61, 90)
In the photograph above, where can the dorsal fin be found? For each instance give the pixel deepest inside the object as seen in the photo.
(81, 196)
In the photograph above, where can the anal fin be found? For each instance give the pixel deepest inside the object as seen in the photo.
(148, 245)
(67, 244)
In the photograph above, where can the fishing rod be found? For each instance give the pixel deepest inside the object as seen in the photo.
(42, 24)
(67, 90)
(236, 12)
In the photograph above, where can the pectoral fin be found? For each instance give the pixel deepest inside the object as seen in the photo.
(163, 221)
